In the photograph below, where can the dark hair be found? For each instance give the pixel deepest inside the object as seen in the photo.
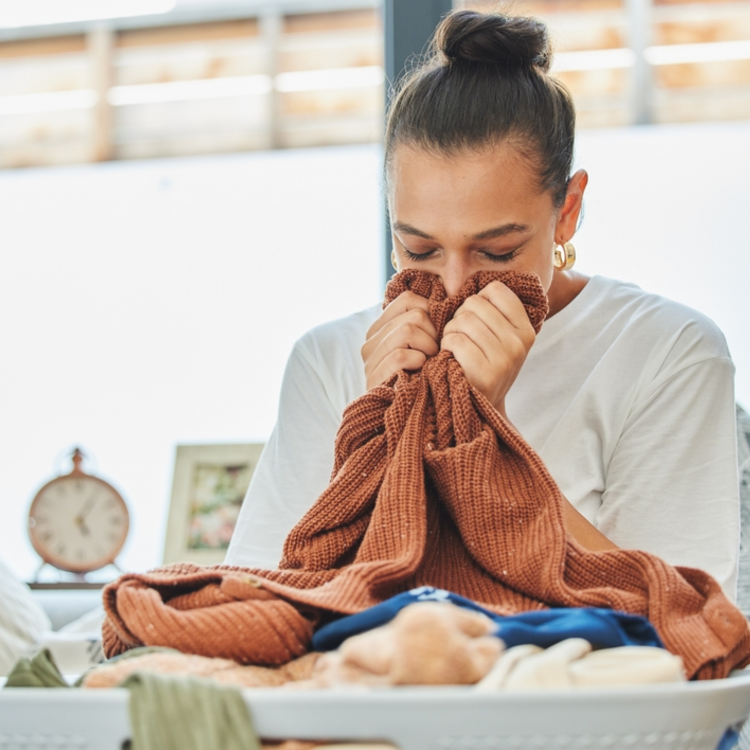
(487, 80)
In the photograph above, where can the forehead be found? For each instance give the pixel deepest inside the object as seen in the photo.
(495, 183)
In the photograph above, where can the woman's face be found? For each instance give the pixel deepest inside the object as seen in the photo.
(476, 211)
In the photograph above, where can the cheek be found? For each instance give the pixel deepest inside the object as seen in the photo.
(546, 274)
(541, 265)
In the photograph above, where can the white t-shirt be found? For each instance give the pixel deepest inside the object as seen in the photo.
(627, 397)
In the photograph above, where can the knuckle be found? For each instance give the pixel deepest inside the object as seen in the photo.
(455, 339)
(375, 327)
(400, 358)
(515, 348)
(526, 335)
(414, 301)
(416, 315)
(497, 286)
(464, 319)
(518, 356)
(409, 330)
(471, 303)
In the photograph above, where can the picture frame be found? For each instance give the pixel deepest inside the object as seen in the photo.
(208, 487)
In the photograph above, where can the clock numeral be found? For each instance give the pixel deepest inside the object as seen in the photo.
(61, 488)
(114, 537)
(80, 554)
(60, 549)
(41, 520)
(47, 536)
(116, 521)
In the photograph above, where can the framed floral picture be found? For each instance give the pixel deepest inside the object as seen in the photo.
(209, 485)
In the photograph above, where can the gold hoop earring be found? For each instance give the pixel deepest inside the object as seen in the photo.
(565, 256)
(393, 260)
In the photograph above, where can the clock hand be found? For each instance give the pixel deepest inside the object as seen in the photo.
(87, 506)
(85, 510)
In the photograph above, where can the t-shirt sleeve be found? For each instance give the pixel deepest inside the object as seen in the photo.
(672, 486)
(293, 470)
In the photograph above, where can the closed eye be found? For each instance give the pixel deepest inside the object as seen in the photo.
(417, 256)
(495, 258)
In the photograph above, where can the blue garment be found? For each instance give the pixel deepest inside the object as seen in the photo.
(729, 740)
(602, 628)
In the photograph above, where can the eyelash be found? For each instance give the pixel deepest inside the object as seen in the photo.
(505, 258)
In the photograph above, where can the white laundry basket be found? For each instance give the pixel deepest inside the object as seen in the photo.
(687, 716)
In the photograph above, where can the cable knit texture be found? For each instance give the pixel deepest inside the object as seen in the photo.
(431, 486)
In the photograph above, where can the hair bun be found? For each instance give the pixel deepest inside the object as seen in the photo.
(491, 38)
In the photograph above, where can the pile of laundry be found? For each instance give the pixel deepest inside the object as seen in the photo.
(429, 636)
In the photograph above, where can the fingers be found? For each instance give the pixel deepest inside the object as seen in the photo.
(401, 339)
(405, 302)
(488, 329)
(395, 361)
(411, 328)
(510, 306)
(490, 336)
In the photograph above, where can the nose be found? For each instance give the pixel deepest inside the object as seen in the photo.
(455, 272)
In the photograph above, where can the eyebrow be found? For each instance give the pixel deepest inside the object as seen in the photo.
(488, 234)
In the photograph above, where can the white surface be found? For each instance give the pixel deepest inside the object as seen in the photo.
(65, 607)
(686, 716)
(639, 386)
(152, 303)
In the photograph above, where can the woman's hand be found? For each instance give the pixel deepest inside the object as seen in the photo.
(490, 336)
(402, 338)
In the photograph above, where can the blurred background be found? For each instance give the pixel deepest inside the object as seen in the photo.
(186, 186)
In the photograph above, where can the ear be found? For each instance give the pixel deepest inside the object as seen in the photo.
(567, 221)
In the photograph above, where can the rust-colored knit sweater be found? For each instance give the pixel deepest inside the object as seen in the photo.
(431, 486)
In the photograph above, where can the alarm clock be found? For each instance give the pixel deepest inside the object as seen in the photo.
(78, 522)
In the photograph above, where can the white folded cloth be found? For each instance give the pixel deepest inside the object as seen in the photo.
(572, 663)
(22, 620)
(73, 653)
(78, 646)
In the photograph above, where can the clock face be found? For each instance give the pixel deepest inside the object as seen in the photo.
(78, 523)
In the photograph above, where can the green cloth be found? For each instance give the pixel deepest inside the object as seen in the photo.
(39, 672)
(42, 672)
(175, 713)
(166, 713)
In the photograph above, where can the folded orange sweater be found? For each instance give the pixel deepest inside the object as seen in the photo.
(431, 486)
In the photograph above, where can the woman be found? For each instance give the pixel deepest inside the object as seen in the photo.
(627, 397)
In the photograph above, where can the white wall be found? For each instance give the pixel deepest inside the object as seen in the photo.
(147, 304)
(154, 303)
